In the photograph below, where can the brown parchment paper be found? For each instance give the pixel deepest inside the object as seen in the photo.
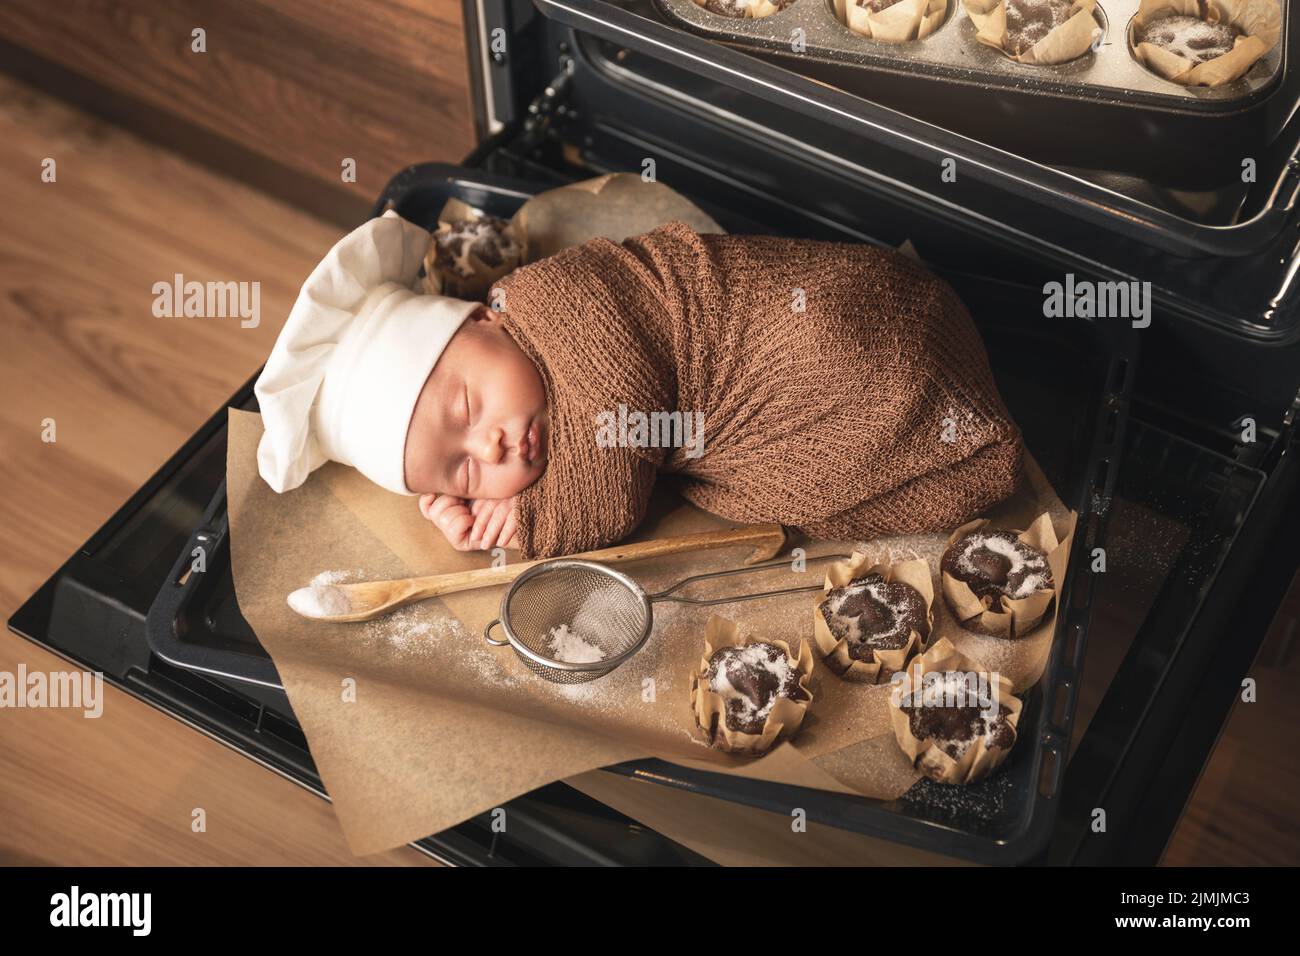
(979, 760)
(416, 723)
(1259, 20)
(905, 20)
(883, 663)
(616, 207)
(1062, 44)
(711, 710)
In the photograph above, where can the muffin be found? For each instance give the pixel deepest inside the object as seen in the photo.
(1017, 28)
(467, 255)
(752, 9)
(746, 695)
(1189, 37)
(955, 722)
(891, 21)
(750, 680)
(871, 618)
(1206, 43)
(1028, 21)
(998, 581)
(997, 565)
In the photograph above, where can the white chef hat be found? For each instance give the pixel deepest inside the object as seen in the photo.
(345, 373)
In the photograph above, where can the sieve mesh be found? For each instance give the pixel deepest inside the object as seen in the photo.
(597, 603)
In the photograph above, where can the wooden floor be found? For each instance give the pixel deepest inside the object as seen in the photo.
(78, 258)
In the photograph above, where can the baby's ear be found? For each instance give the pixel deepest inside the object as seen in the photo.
(489, 313)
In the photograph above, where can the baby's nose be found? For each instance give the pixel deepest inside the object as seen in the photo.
(493, 446)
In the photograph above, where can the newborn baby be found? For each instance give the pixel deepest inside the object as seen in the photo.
(837, 388)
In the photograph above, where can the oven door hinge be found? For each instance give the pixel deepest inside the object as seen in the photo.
(544, 108)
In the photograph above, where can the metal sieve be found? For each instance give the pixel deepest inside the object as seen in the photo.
(615, 611)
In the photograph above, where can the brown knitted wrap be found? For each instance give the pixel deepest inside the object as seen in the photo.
(829, 419)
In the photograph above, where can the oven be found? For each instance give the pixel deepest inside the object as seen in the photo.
(1172, 434)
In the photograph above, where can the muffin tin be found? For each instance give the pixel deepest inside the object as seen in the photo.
(951, 52)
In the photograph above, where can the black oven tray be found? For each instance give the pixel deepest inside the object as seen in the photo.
(952, 52)
(1072, 412)
(1103, 110)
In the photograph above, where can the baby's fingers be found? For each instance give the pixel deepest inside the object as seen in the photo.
(507, 537)
(457, 528)
(440, 506)
(489, 538)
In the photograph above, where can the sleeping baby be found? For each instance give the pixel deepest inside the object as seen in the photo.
(840, 389)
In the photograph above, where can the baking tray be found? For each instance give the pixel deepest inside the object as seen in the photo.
(1103, 111)
(1072, 414)
(1110, 72)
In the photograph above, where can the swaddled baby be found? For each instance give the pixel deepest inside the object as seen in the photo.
(837, 388)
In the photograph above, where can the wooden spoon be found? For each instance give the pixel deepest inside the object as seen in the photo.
(364, 600)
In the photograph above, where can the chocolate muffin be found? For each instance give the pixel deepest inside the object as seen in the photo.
(751, 679)
(996, 565)
(953, 717)
(485, 238)
(1028, 21)
(874, 614)
(738, 8)
(1189, 37)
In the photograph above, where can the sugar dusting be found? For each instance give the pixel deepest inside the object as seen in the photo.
(755, 657)
(850, 625)
(1033, 565)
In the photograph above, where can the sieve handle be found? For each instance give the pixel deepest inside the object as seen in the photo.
(487, 634)
(667, 594)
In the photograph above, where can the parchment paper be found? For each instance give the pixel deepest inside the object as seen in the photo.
(416, 723)
(905, 20)
(616, 206)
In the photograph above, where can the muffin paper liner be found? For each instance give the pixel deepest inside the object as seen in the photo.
(756, 10)
(1259, 20)
(1066, 42)
(927, 756)
(1001, 616)
(905, 20)
(711, 708)
(474, 286)
(883, 663)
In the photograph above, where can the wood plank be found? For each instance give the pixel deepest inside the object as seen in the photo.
(303, 83)
(79, 343)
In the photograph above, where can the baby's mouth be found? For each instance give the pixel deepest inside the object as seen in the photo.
(530, 449)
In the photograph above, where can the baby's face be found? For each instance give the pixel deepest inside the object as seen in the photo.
(479, 429)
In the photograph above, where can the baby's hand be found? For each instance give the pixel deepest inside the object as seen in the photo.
(494, 523)
(472, 525)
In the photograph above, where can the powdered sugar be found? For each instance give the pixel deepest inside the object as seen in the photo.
(850, 625)
(1190, 37)
(572, 647)
(1032, 566)
(321, 598)
(753, 656)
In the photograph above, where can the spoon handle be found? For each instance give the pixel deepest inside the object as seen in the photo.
(767, 539)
